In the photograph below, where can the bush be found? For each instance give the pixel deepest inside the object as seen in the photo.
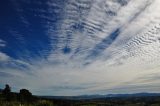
(7, 93)
(25, 96)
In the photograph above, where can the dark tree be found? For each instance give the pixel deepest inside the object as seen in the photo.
(25, 95)
(7, 92)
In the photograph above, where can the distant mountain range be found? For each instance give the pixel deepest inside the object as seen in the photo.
(101, 96)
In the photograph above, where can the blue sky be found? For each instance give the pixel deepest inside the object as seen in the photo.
(76, 47)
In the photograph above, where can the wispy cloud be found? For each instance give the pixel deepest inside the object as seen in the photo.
(93, 46)
(3, 57)
(2, 43)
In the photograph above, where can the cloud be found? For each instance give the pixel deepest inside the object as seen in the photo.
(2, 43)
(97, 47)
(3, 57)
(83, 33)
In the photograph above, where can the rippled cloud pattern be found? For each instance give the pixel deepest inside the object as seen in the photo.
(75, 47)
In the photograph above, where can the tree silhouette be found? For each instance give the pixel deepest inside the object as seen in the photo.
(25, 95)
(7, 92)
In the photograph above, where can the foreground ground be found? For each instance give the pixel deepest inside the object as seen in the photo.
(123, 101)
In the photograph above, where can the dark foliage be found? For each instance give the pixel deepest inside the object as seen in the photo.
(7, 92)
(25, 96)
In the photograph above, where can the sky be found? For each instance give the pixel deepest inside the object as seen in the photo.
(80, 47)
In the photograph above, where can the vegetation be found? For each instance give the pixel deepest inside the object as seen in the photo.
(25, 98)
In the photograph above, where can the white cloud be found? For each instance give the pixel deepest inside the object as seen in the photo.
(2, 43)
(132, 60)
(3, 57)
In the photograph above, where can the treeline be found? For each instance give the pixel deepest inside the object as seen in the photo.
(23, 98)
(24, 95)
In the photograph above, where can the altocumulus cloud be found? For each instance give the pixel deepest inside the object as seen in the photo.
(80, 47)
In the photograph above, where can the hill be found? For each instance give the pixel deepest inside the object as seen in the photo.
(86, 97)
